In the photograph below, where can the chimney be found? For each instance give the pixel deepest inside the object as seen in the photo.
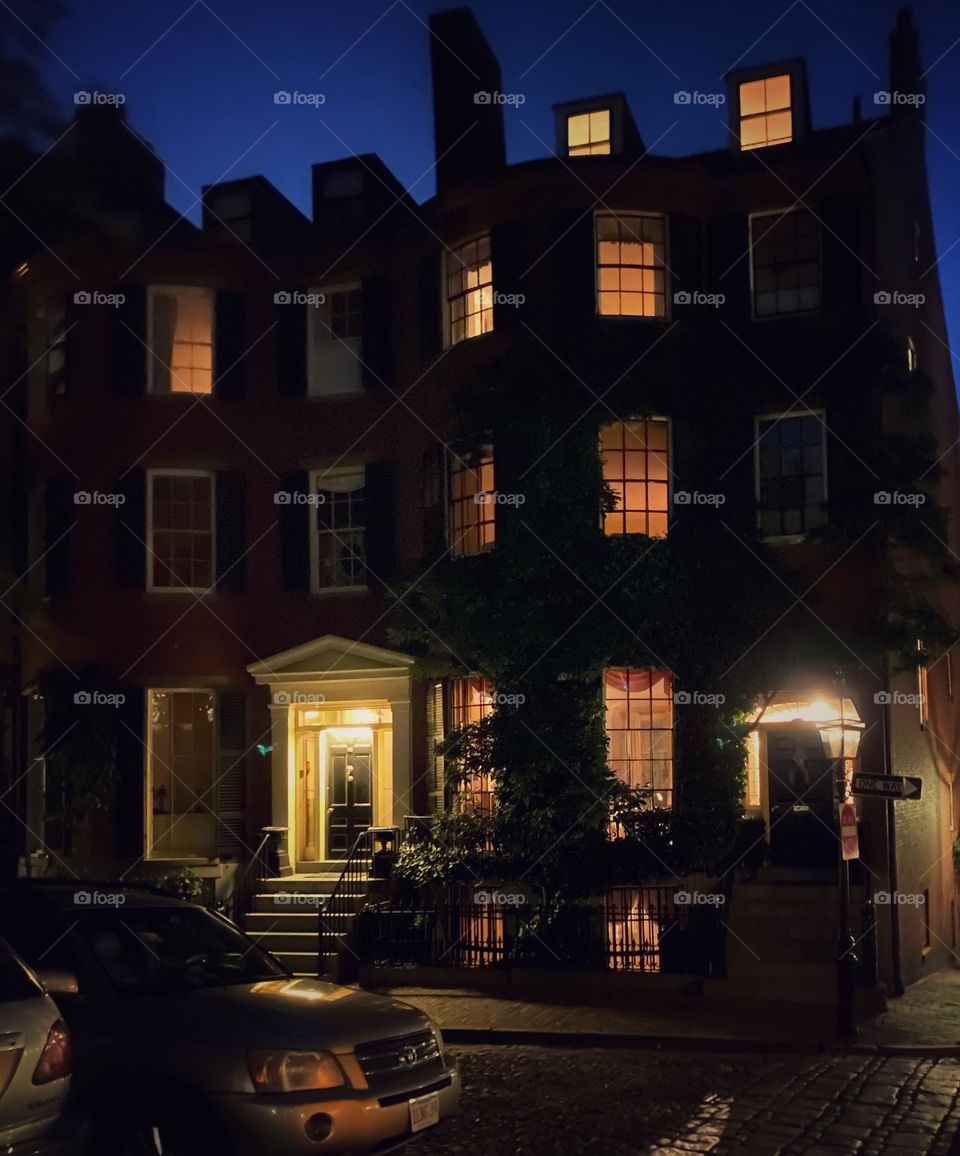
(467, 116)
(907, 84)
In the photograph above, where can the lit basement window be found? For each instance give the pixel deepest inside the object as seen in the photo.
(588, 133)
(765, 112)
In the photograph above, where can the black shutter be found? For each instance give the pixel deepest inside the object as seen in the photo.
(507, 254)
(130, 533)
(573, 265)
(431, 307)
(375, 327)
(58, 518)
(231, 501)
(842, 273)
(729, 264)
(685, 274)
(231, 788)
(380, 527)
(291, 334)
(228, 348)
(294, 531)
(129, 354)
(434, 503)
(130, 775)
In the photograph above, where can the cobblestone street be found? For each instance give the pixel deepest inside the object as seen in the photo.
(534, 1100)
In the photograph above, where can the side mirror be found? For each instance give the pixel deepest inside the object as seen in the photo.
(58, 981)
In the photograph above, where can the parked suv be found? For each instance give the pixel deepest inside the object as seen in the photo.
(192, 1041)
(34, 1067)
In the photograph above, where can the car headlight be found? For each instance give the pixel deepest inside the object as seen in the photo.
(281, 1071)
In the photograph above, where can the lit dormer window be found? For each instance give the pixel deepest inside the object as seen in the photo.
(588, 133)
(766, 112)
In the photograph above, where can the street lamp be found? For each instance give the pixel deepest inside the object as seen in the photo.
(840, 734)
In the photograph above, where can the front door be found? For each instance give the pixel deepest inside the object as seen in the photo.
(349, 794)
(802, 824)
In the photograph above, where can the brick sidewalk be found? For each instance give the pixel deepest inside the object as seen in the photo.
(926, 1019)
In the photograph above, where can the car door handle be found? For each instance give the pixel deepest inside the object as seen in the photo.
(12, 1041)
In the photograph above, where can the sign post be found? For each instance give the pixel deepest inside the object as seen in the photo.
(849, 840)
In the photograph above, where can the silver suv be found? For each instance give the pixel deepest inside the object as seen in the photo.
(192, 1041)
(34, 1065)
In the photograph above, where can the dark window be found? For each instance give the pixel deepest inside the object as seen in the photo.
(340, 529)
(791, 478)
(785, 263)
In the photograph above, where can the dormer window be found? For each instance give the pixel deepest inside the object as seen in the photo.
(766, 112)
(588, 134)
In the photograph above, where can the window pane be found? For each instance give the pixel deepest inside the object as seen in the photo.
(180, 773)
(340, 528)
(639, 728)
(785, 260)
(181, 349)
(632, 460)
(630, 260)
(181, 545)
(471, 525)
(469, 290)
(791, 477)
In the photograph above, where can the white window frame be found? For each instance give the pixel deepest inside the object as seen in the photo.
(167, 291)
(787, 539)
(316, 477)
(313, 321)
(625, 214)
(670, 473)
(151, 555)
(751, 217)
(210, 796)
(448, 256)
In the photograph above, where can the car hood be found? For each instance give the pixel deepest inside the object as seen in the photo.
(281, 1013)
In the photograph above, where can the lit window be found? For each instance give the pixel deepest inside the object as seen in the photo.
(180, 774)
(635, 466)
(639, 726)
(180, 530)
(923, 700)
(180, 340)
(55, 324)
(588, 133)
(339, 557)
(785, 263)
(469, 272)
(630, 265)
(911, 355)
(471, 701)
(765, 116)
(791, 478)
(334, 350)
(471, 526)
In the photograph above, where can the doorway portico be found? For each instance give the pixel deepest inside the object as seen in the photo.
(341, 744)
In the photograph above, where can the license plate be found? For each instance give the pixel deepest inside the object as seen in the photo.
(424, 1112)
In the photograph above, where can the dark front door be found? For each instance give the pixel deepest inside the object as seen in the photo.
(802, 823)
(349, 795)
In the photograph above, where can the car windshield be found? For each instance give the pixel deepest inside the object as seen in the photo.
(156, 949)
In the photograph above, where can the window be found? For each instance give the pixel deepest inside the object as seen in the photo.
(232, 211)
(635, 458)
(469, 275)
(334, 349)
(639, 725)
(180, 340)
(923, 696)
(784, 263)
(588, 133)
(55, 335)
(180, 774)
(471, 524)
(339, 555)
(765, 116)
(911, 355)
(630, 265)
(752, 797)
(791, 474)
(471, 700)
(180, 517)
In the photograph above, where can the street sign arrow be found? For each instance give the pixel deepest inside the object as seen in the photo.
(887, 786)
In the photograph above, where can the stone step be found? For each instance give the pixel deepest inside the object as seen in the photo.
(280, 941)
(260, 922)
(287, 902)
(322, 882)
(300, 963)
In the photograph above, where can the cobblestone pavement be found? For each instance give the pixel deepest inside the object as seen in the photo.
(536, 1101)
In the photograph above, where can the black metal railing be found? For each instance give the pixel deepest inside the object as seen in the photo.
(372, 854)
(239, 899)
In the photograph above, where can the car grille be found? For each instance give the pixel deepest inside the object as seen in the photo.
(384, 1059)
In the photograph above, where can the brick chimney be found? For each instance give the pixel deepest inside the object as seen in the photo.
(468, 129)
(906, 70)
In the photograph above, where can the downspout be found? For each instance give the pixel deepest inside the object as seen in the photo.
(891, 833)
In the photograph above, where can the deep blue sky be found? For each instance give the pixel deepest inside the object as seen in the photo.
(204, 99)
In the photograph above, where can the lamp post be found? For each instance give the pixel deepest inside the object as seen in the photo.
(840, 736)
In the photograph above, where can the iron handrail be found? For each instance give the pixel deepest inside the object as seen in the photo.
(330, 940)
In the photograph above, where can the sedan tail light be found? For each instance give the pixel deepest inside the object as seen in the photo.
(56, 1060)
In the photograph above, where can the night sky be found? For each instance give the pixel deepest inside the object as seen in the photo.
(199, 79)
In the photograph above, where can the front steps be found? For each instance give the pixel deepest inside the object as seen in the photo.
(287, 913)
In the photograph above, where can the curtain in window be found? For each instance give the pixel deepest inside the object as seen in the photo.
(164, 327)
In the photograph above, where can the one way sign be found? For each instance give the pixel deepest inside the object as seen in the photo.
(888, 786)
